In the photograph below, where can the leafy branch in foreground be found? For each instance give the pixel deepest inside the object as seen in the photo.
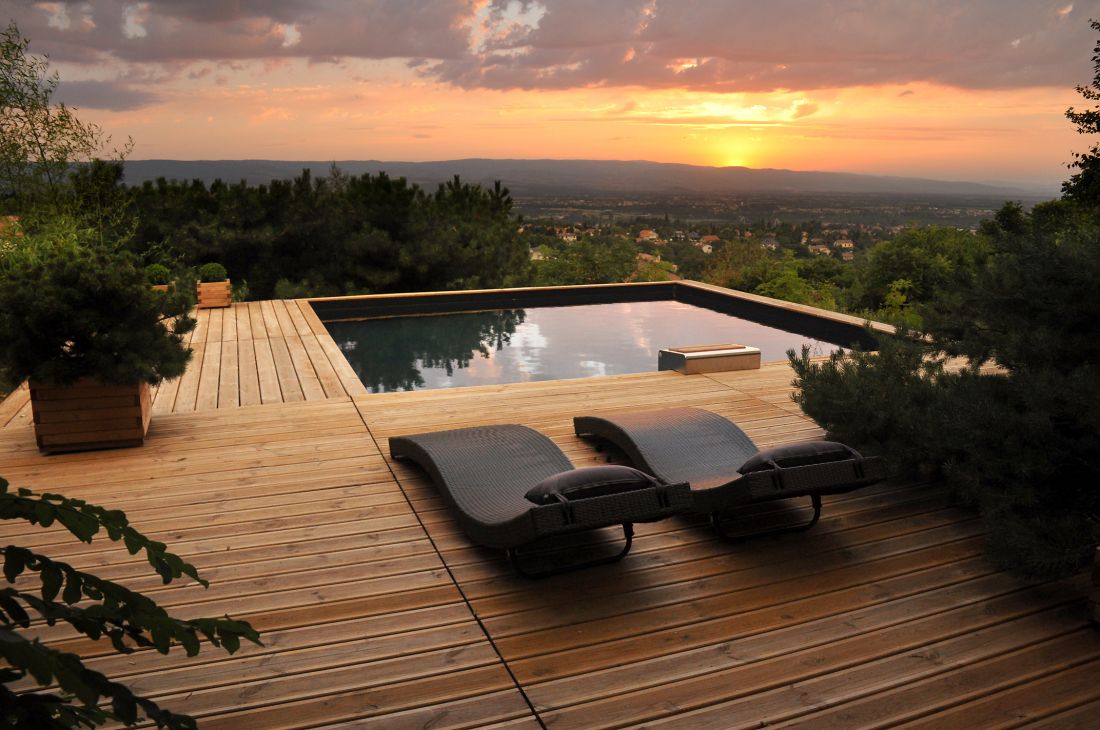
(95, 607)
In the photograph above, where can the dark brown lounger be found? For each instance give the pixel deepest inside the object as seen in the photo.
(509, 486)
(724, 467)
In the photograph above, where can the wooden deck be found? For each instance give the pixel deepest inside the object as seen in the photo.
(246, 354)
(375, 611)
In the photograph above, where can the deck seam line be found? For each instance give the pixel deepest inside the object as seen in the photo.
(454, 580)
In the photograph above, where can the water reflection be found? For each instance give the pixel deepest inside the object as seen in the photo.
(541, 343)
(394, 353)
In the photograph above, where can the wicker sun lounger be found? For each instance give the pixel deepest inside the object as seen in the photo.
(509, 486)
(724, 467)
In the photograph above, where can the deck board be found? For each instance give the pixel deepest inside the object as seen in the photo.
(268, 468)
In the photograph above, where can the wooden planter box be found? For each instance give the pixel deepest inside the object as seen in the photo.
(88, 415)
(1094, 595)
(215, 294)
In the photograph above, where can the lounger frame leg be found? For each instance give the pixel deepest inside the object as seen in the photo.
(516, 556)
(719, 525)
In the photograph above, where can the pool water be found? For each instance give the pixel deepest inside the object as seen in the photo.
(542, 343)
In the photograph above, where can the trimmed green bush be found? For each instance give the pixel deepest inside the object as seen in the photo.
(210, 273)
(158, 274)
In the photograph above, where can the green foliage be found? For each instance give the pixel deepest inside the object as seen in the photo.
(588, 261)
(212, 272)
(158, 274)
(927, 259)
(1021, 442)
(72, 309)
(734, 264)
(39, 141)
(1084, 185)
(94, 607)
(655, 271)
(337, 235)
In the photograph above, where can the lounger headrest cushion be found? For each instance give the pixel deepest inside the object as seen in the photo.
(592, 481)
(810, 452)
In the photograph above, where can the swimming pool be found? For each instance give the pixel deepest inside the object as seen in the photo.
(509, 345)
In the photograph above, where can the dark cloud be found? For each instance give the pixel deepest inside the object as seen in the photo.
(713, 45)
(746, 45)
(181, 30)
(112, 95)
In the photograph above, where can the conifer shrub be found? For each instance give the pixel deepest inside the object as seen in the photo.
(71, 309)
(1016, 431)
(212, 272)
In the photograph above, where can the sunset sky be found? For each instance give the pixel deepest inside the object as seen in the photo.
(968, 90)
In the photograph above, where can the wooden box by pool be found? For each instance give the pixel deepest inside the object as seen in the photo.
(89, 415)
(214, 294)
(709, 358)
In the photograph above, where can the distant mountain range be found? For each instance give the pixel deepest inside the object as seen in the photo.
(572, 177)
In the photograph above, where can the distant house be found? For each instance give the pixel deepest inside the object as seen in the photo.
(845, 244)
(647, 235)
(769, 243)
(647, 258)
(705, 248)
(847, 256)
(537, 255)
(818, 249)
(710, 238)
(566, 234)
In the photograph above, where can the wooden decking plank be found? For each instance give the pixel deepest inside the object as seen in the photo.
(286, 324)
(311, 318)
(1003, 709)
(256, 321)
(23, 417)
(307, 377)
(367, 702)
(284, 368)
(229, 391)
(188, 391)
(761, 700)
(244, 321)
(760, 634)
(209, 377)
(266, 373)
(248, 372)
(271, 320)
(1082, 717)
(330, 381)
(16, 400)
(412, 629)
(229, 323)
(301, 326)
(484, 712)
(353, 386)
(214, 332)
(202, 326)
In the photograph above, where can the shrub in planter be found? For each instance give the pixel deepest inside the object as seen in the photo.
(82, 325)
(159, 276)
(214, 288)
